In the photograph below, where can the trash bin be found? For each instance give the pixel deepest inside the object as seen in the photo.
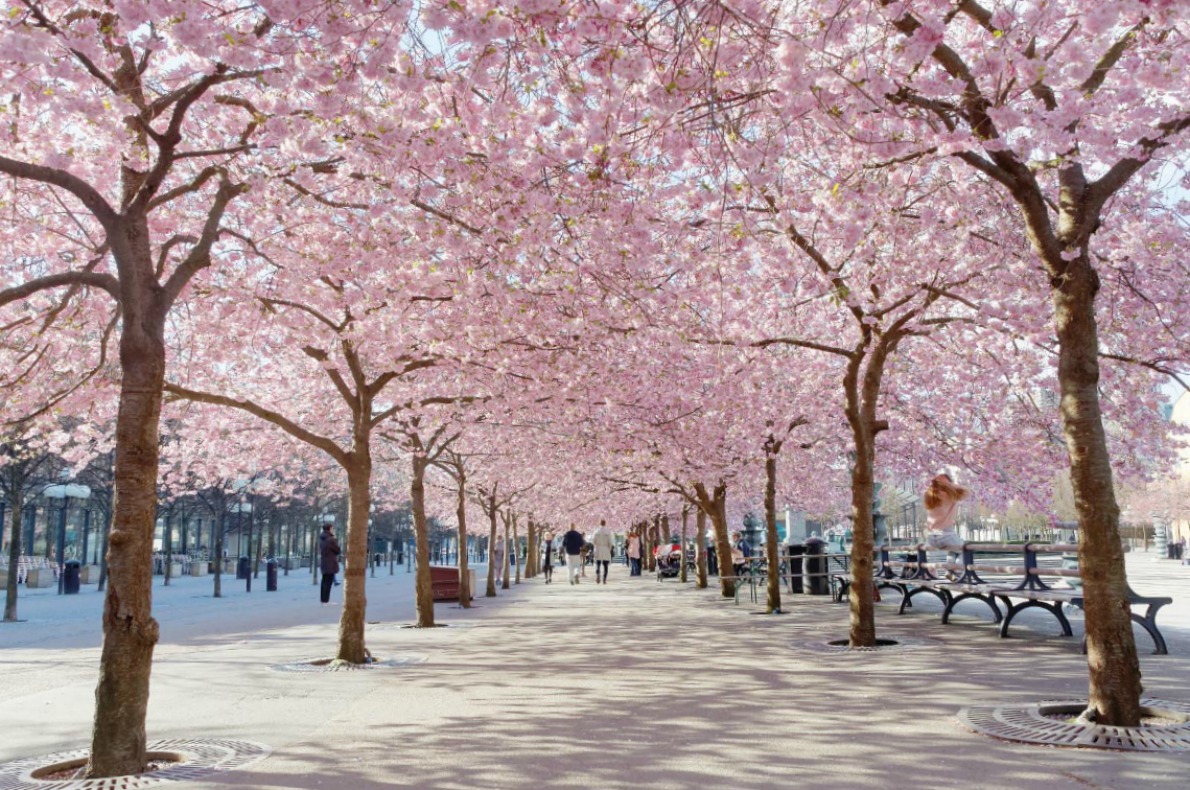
(376, 560)
(817, 582)
(71, 574)
(795, 551)
(1171, 551)
(1178, 550)
(243, 568)
(270, 576)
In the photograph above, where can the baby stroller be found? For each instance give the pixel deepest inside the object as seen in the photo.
(669, 561)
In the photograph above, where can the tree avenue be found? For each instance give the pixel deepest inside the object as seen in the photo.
(562, 262)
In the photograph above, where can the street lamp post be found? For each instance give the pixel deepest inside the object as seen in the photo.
(64, 492)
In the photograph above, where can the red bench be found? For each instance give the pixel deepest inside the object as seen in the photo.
(444, 582)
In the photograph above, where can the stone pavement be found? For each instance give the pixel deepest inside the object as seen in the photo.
(636, 684)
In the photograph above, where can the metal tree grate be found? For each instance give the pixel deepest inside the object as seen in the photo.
(893, 644)
(330, 665)
(1051, 724)
(199, 758)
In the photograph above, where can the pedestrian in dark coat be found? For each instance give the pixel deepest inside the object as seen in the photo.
(328, 551)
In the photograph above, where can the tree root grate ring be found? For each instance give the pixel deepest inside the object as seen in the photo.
(894, 644)
(185, 760)
(1053, 723)
(415, 627)
(333, 665)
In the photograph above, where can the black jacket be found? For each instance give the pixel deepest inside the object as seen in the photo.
(572, 542)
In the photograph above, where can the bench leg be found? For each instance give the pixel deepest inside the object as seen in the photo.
(907, 596)
(1053, 608)
(989, 600)
(1149, 623)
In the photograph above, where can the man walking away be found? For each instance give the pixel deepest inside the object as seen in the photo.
(602, 541)
(572, 544)
(328, 551)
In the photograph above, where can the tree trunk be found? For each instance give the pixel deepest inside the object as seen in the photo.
(715, 506)
(685, 523)
(359, 506)
(129, 630)
(516, 547)
(773, 597)
(507, 558)
(700, 547)
(424, 588)
(461, 513)
(17, 505)
(651, 541)
(168, 534)
(1115, 678)
(490, 591)
(220, 523)
(107, 533)
(530, 550)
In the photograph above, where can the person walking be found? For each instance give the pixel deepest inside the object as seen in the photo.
(498, 558)
(602, 540)
(572, 544)
(547, 558)
(942, 499)
(328, 552)
(633, 552)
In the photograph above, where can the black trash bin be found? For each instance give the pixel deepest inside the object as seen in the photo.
(71, 574)
(795, 552)
(817, 582)
(243, 568)
(1171, 551)
(270, 576)
(1178, 550)
(377, 559)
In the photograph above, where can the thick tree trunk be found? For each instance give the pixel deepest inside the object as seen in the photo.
(461, 513)
(355, 554)
(17, 505)
(700, 545)
(862, 614)
(1115, 678)
(530, 549)
(773, 597)
(715, 506)
(685, 524)
(129, 630)
(424, 590)
(651, 544)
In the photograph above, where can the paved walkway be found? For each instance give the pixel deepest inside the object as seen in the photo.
(636, 684)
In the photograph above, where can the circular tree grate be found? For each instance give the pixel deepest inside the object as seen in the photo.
(185, 760)
(895, 644)
(1053, 724)
(331, 665)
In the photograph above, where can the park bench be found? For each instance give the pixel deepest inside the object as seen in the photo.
(1006, 575)
(444, 582)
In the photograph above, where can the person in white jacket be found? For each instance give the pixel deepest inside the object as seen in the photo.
(602, 540)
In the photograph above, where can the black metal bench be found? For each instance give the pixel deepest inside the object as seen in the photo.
(1015, 587)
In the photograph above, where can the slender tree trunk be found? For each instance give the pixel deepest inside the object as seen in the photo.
(129, 631)
(700, 547)
(107, 533)
(530, 550)
(218, 542)
(17, 505)
(773, 598)
(685, 523)
(1115, 677)
(490, 592)
(507, 558)
(424, 588)
(169, 544)
(461, 513)
(651, 541)
(516, 547)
